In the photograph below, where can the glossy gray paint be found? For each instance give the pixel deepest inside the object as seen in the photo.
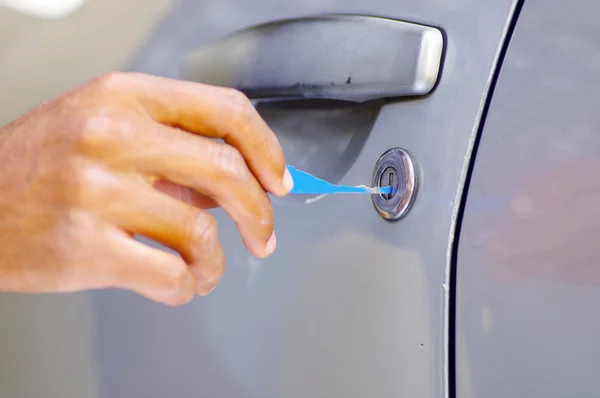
(529, 259)
(348, 306)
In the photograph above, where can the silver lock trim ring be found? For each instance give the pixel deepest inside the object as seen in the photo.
(408, 183)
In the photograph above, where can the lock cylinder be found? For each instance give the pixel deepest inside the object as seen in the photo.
(396, 168)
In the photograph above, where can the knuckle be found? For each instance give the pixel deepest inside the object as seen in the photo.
(109, 82)
(102, 128)
(123, 126)
(175, 280)
(236, 99)
(271, 147)
(93, 130)
(204, 230)
(88, 184)
(228, 160)
(79, 184)
(240, 106)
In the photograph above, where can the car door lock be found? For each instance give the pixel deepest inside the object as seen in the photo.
(395, 168)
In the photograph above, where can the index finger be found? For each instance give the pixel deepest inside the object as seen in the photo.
(216, 112)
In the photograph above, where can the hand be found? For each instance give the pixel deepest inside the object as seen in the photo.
(553, 229)
(134, 154)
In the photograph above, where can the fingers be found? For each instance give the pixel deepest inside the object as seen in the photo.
(185, 194)
(215, 112)
(212, 168)
(137, 208)
(152, 273)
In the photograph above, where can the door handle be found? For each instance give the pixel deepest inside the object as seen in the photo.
(337, 57)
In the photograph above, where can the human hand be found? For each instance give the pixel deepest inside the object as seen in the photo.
(133, 154)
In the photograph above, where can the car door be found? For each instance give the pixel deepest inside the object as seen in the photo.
(528, 259)
(350, 304)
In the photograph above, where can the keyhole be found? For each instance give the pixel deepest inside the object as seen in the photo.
(389, 177)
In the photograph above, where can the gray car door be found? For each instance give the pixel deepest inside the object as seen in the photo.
(528, 260)
(350, 305)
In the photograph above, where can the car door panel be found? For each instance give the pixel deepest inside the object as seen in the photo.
(349, 305)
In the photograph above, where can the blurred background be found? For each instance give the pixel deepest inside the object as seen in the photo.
(49, 46)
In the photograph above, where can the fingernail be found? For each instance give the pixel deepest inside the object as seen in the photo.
(288, 182)
(271, 244)
(203, 291)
